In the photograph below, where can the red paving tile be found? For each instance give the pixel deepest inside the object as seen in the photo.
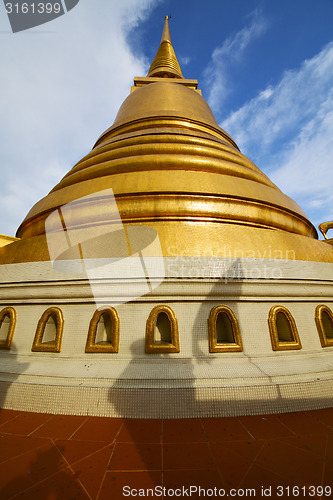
(325, 416)
(232, 466)
(298, 467)
(136, 456)
(316, 444)
(224, 429)
(265, 427)
(329, 447)
(6, 415)
(328, 473)
(12, 446)
(187, 456)
(249, 449)
(73, 451)
(23, 472)
(62, 485)
(185, 479)
(140, 431)
(302, 423)
(60, 426)
(98, 429)
(25, 423)
(258, 477)
(68, 458)
(187, 430)
(117, 483)
(91, 470)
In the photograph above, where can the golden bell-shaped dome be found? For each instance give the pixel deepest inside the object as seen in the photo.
(171, 167)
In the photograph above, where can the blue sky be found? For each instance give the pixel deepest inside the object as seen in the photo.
(265, 67)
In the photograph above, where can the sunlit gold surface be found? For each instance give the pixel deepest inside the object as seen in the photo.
(203, 239)
(6, 240)
(171, 169)
(165, 103)
(142, 81)
(324, 227)
(166, 30)
(277, 344)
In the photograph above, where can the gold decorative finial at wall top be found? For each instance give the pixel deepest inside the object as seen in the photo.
(324, 227)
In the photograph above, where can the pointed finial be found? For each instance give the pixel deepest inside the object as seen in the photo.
(166, 30)
(165, 62)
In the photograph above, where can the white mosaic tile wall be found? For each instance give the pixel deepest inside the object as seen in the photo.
(190, 383)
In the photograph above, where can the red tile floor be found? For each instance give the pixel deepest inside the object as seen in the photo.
(57, 457)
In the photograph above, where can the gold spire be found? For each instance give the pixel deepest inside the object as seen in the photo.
(166, 31)
(165, 63)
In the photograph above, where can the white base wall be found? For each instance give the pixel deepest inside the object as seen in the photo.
(191, 383)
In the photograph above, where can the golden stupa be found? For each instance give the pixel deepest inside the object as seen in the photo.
(241, 312)
(173, 168)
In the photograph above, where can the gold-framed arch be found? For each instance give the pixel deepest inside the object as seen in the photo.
(223, 330)
(283, 330)
(111, 325)
(54, 344)
(10, 313)
(324, 323)
(169, 338)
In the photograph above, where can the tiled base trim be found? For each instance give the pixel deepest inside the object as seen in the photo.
(167, 403)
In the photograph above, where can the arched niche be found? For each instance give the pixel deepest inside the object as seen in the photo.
(7, 327)
(103, 334)
(283, 330)
(324, 323)
(223, 330)
(162, 331)
(49, 331)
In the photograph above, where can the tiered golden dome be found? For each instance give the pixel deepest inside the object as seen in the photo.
(171, 167)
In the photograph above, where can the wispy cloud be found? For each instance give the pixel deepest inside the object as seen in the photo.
(184, 60)
(287, 129)
(230, 52)
(305, 169)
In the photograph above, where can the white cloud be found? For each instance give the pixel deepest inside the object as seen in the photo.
(279, 112)
(305, 170)
(288, 131)
(61, 87)
(184, 60)
(230, 52)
